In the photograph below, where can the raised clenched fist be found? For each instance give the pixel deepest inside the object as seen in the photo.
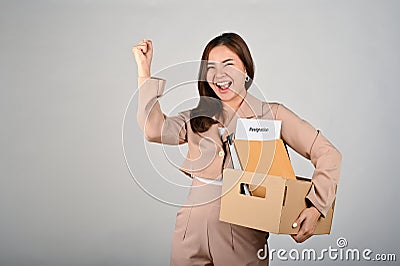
(143, 53)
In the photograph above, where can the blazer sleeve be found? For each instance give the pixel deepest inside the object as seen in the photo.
(158, 127)
(310, 143)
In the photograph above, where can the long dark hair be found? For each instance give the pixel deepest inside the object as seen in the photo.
(201, 118)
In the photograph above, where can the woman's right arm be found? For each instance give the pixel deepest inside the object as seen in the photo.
(157, 127)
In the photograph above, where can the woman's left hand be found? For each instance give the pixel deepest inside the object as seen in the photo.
(307, 221)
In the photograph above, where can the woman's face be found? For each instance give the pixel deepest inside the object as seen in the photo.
(226, 75)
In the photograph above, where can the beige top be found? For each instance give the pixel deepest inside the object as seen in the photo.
(206, 157)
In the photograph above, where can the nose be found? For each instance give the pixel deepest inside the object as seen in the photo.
(219, 71)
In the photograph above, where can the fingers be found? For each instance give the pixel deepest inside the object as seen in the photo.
(300, 238)
(149, 46)
(144, 46)
(299, 220)
(304, 233)
(307, 227)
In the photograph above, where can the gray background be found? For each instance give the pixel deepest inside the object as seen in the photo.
(67, 74)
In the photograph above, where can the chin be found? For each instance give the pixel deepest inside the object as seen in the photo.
(227, 96)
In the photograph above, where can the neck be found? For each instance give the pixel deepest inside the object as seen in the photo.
(235, 103)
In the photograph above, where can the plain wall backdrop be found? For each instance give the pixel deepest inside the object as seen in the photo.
(67, 75)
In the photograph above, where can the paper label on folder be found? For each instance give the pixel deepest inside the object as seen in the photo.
(258, 129)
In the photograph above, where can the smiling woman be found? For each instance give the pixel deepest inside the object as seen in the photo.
(225, 75)
(226, 72)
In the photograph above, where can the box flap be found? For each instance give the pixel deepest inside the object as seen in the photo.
(264, 157)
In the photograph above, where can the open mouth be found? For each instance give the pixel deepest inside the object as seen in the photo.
(224, 85)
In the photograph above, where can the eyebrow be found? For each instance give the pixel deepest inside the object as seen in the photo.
(226, 60)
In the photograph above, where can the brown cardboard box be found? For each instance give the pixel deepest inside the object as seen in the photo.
(276, 201)
(274, 210)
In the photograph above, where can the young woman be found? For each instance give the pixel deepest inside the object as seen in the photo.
(225, 75)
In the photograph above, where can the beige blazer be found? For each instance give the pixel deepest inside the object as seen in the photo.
(206, 154)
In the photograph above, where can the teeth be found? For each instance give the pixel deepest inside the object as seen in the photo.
(222, 83)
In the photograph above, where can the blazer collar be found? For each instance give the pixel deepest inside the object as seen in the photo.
(251, 107)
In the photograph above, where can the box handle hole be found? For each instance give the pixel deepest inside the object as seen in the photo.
(252, 190)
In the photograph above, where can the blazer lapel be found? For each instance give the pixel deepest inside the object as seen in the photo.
(213, 134)
(251, 107)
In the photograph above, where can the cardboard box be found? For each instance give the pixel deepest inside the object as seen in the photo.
(278, 197)
(273, 207)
